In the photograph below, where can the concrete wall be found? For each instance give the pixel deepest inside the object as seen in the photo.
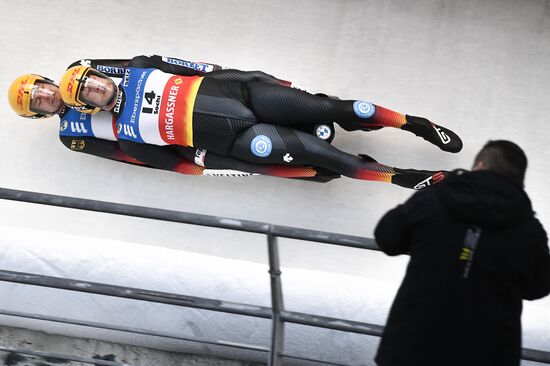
(24, 339)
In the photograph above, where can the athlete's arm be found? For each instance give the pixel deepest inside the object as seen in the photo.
(216, 162)
(161, 157)
(246, 76)
(173, 65)
(98, 147)
(110, 67)
(189, 68)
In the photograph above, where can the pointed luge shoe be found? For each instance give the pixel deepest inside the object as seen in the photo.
(417, 179)
(440, 136)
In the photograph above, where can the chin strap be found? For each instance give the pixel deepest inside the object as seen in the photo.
(115, 95)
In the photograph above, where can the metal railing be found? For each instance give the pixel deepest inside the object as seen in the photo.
(278, 315)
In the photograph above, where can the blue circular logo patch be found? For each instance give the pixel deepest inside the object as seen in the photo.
(323, 132)
(261, 146)
(363, 109)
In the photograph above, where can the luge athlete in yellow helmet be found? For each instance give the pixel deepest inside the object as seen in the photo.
(79, 89)
(248, 116)
(34, 96)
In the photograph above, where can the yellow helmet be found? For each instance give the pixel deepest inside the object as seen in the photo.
(21, 92)
(72, 83)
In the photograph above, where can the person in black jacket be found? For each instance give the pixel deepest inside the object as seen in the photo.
(476, 251)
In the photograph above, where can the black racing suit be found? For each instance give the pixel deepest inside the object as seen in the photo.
(233, 108)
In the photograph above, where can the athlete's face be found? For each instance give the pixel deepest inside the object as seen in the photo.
(46, 98)
(98, 91)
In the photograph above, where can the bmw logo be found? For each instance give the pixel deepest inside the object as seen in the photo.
(261, 146)
(323, 132)
(363, 109)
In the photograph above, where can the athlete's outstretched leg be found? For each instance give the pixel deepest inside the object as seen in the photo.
(270, 144)
(280, 105)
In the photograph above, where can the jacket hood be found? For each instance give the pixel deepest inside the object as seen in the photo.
(484, 198)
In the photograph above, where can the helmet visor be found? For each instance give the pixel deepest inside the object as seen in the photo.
(45, 98)
(97, 90)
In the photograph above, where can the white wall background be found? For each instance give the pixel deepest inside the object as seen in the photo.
(478, 67)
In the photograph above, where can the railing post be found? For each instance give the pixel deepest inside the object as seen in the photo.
(277, 330)
(278, 314)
